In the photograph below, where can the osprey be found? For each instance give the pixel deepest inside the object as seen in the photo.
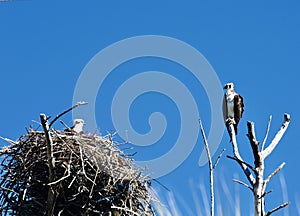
(233, 106)
(78, 126)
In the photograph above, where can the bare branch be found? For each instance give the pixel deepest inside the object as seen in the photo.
(51, 193)
(277, 137)
(254, 144)
(66, 111)
(8, 189)
(237, 155)
(218, 158)
(267, 133)
(64, 177)
(241, 162)
(266, 193)
(277, 208)
(206, 145)
(161, 184)
(211, 181)
(49, 142)
(243, 183)
(9, 140)
(274, 173)
(64, 124)
(94, 182)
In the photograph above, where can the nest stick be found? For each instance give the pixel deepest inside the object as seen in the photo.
(66, 111)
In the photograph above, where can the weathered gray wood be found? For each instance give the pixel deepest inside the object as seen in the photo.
(258, 184)
(212, 166)
(51, 163)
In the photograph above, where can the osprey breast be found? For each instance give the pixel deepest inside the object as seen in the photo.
(230, 109)
(230, 105)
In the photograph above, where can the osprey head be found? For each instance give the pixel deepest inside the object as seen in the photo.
(78, 126)
(229, 86)
(78, 121)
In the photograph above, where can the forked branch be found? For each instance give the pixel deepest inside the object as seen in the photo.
(211, 175)
(277, 208)
(211, 168)
(275, 172)
(243, 183)
(278, 136)
(218, 158)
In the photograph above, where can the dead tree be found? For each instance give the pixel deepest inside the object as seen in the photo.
(212, 167)
(255, 174)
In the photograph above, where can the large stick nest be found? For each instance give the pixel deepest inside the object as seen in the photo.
(91, 176)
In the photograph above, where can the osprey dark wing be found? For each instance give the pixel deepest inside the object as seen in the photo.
(238, 109)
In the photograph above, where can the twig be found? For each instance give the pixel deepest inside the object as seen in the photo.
(25, 191)
(161, 184)
(243, 183)
(9, 140)
(66, 111)
(274, 173)
(241, 162)
(62, 178)
(278, 136)
(38, 123)
(94, 183)
(277, 208)
(82, 164)
(218, 158)
(267, 134)
(64, 124)
(9, 190)
(266, 193)
(72, 182)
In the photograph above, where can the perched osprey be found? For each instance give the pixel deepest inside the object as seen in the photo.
(78, 126)
(233, 106)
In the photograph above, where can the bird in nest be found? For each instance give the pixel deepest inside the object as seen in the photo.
(77, 126)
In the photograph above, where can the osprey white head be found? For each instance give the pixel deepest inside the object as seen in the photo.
(229, 86)
(78, 125)
(229, 90)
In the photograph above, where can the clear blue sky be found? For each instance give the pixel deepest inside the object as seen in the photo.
(45, 45)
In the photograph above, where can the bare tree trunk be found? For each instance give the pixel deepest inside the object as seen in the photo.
(51, 163)
(258, 187)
